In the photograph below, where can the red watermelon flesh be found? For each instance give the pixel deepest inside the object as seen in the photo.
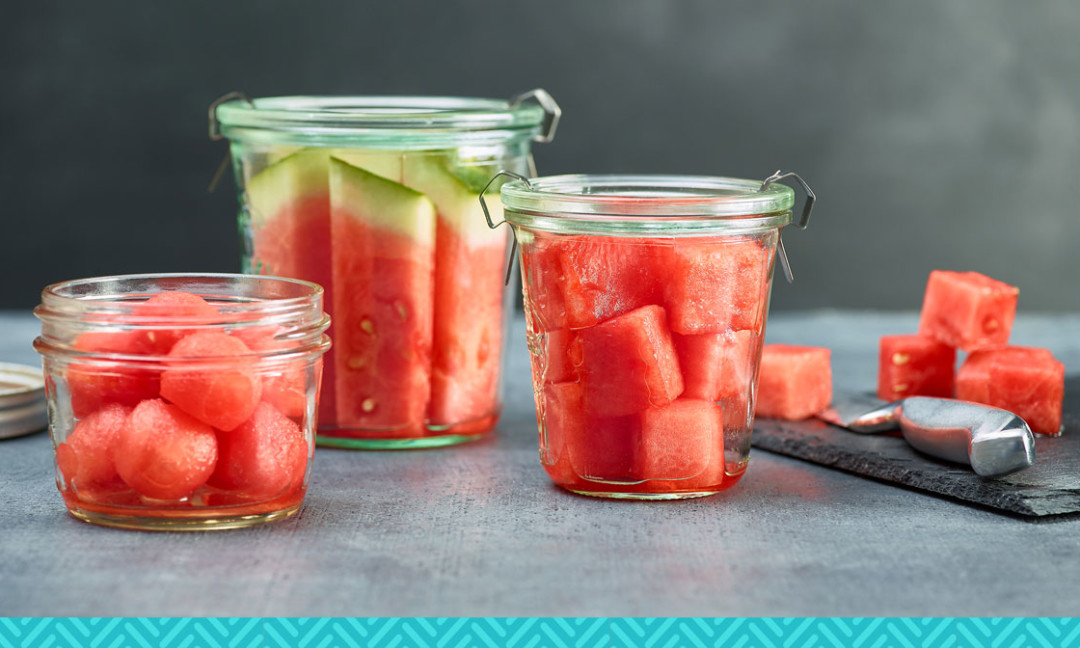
(603, 277)
(716, 366)
(681, 441)
(973, 377)
(629, 364)
(87, 459)
(599, 449)
(542, 279)
(1027, 381)
(289, 204)
(468, 303)
(283, 387)
(384, 267)
(223, 394)
(174, 306)
(163, 453)
(717, 285)
(562, 356)
(968, 310)
(1034, 392)
(914, 365)
(264, 457)
(94, 385)
(794, 382)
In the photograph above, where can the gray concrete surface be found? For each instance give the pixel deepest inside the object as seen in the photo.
(478, 530)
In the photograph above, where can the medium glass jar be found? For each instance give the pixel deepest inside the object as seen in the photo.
(375, 199)
(645, 306)
(182, 402)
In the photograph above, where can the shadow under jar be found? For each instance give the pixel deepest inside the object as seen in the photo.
(182, 402)
(375, 199)
(645, 306)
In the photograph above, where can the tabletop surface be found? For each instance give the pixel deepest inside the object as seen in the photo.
(478, 530)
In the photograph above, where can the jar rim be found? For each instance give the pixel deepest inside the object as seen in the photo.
(654, 204)
(406, 117)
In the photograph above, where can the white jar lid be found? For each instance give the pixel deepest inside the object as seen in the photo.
(22, 400)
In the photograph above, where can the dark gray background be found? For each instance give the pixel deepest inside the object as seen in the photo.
(936, 134)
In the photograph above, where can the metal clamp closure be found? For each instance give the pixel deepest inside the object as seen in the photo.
(804, 218)
(215, 126)
(492, 224)
(552, 112)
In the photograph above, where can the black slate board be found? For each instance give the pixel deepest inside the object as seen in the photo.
(1050, 487)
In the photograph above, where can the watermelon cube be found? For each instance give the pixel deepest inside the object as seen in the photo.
(545, 306)
(629, 364)
(968, 310)
(681, 441)
(562, 356)
(794, 382)
(600, 449)
(1028, 382)
(914, 365)
(717, 285)
(716, 366)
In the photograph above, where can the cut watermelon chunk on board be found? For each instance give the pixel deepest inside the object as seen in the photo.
(629, 364)
(968, 310)
(794, 382)
(383, 270)
(914, 365)
(1027, 381)
(717, 285)
(468, 306)
(682, 441)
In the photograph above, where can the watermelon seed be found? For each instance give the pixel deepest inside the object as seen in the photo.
(368, 327)
(900, 358)
(368, 405)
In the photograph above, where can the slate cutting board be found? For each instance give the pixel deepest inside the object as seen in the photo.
(1050, 487)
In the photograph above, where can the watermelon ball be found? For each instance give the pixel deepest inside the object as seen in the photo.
(163, 453)
(266, 456)
(87, 459)
(914, 365)
(92, 386)
(169, 307)
(224, 395)
(794, 382)
(283, 387)
(968, 310)
(629, 364)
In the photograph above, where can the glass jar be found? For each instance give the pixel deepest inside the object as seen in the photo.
(645, 306)
(375, 198)
(182, 402)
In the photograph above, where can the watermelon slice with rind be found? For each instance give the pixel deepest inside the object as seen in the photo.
(383, 252)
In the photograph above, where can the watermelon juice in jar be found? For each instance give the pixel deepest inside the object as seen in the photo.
(645, 307)
(375, 198)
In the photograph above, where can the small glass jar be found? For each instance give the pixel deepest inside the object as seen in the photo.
(375, 199)
(182, 402)
(645, 306)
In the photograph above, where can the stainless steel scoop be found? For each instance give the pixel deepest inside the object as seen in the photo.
(994, 442)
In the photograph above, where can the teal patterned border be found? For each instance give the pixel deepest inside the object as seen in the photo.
(539, 633)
